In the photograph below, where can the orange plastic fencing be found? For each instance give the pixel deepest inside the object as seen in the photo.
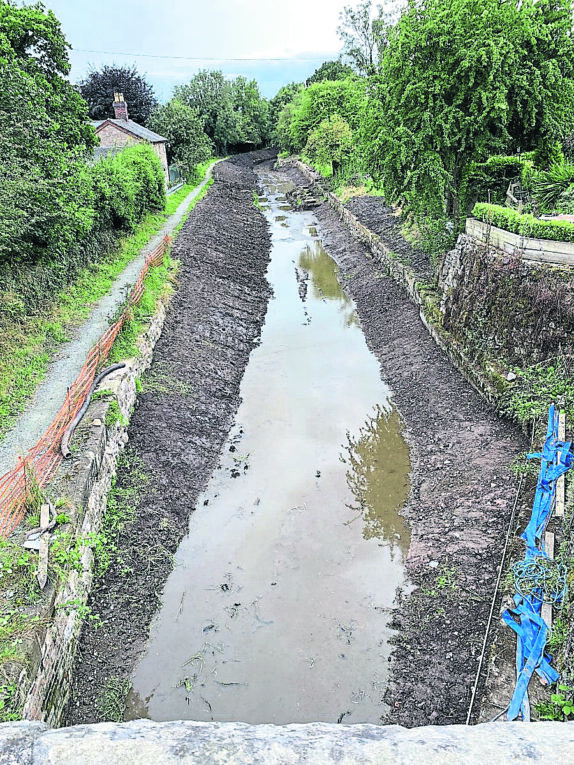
(39, 465)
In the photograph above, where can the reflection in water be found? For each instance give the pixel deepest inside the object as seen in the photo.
(378, 472)
(325, 279)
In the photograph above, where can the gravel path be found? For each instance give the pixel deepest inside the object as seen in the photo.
(68, 361)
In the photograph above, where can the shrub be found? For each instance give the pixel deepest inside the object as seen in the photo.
(494, 176)
(112, 196)
(549, 185)
(127, 186)
(524, 223)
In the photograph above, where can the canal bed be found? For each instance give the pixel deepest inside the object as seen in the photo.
(278, 606)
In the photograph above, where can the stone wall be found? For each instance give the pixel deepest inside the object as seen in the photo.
(84, 480)
(506, 304)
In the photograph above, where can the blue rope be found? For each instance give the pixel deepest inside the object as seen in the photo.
(540, 578)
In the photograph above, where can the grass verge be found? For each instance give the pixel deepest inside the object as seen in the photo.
(158, 283)
(27, 346)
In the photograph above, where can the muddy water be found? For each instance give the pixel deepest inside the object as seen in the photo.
(277, 608)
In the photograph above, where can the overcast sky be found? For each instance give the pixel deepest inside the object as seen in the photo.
(302, 31)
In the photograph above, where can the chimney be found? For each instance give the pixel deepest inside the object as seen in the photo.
(120, 107)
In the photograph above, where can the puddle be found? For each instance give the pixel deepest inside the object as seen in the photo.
(277, 608)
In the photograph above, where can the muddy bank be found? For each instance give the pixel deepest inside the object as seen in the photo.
(461, 499)
(381, 219)
(183, 414)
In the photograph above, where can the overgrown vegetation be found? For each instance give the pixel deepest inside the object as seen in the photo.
(483, 79)
(113, 699)
(20, 594)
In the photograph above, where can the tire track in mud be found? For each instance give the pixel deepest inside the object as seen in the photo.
(461, 499)
(180, 424)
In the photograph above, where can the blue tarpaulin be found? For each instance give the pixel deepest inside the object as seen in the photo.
(525, 618)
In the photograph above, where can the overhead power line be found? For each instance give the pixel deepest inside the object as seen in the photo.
(195, 58)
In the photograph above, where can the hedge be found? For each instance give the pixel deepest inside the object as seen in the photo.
(524, 223)
(126, 187)
(112, 196)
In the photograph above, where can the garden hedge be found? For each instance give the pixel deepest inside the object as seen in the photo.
(524, 223)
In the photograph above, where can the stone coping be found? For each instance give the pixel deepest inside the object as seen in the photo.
(150, 743)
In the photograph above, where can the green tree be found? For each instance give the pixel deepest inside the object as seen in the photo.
(46, 192)
(233, 112)
(188, 144)
(209, 94)
(252, 111)
(322, 101)
(284, 96)
(331, 142)
(362, 31)
(99, 86)
(283, 133)
(481, 78)
(330, 70)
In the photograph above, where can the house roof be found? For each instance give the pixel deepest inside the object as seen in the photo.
(129, 126)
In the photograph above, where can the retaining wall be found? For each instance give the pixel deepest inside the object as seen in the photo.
(537, 250)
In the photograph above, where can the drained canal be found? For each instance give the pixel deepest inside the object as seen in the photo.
(277, 609)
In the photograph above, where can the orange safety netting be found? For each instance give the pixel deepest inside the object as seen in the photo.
(39, 465)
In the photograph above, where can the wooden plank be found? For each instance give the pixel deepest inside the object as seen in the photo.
(549, 550)
(44, 516)
(561, 482)
(42, 574)
(539, 250)
(549, 544)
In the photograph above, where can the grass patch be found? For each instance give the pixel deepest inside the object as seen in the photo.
(159, 380)
(27, 346)
(113, 699)
(156, 284)
(123, 499)
(536, 389)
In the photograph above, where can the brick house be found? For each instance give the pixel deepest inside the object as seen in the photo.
(121, 131)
